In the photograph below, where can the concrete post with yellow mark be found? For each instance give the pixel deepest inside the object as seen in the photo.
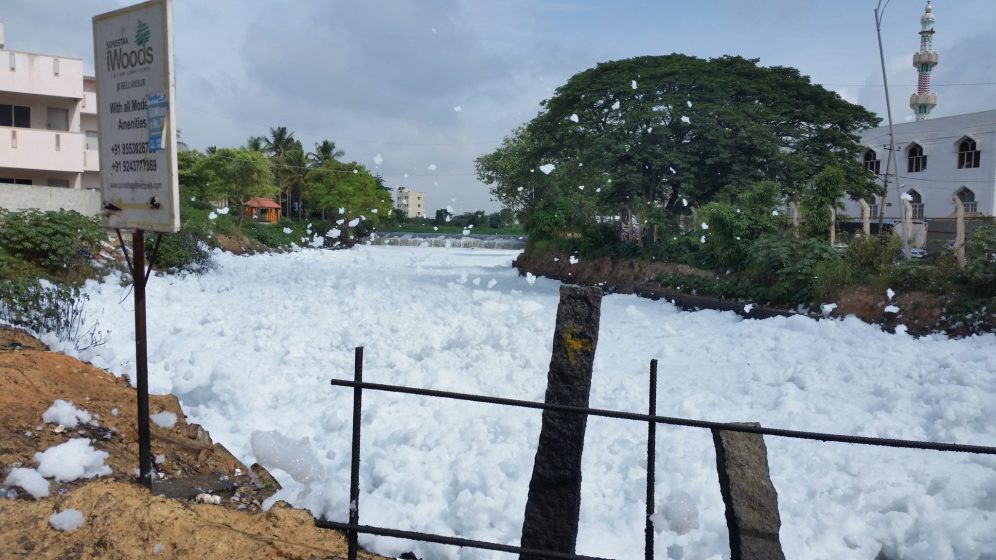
(554, 502)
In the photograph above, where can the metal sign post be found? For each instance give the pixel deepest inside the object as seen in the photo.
(139, 278)
(133, 58)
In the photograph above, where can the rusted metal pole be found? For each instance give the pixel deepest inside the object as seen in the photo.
(138, 276)
(354, 468)
(648, 548)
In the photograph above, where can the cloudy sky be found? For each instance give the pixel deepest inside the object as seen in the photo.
(428, 85)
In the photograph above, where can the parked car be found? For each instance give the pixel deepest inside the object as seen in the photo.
(915, 253)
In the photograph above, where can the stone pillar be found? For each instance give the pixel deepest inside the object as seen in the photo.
(908, 222)
(959, 246)
(750, 498)
(865, 216)
(794, 216)
(554, 503)
(833, 226)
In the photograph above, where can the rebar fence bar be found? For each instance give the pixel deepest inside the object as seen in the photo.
(353, 528)
(442, 539)
(648, 546)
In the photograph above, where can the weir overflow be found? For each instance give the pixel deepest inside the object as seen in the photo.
(450, 240)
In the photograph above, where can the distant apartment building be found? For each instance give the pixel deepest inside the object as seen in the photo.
(412, 203)
(48, 122)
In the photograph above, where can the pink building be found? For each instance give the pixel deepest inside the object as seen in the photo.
(48, 121)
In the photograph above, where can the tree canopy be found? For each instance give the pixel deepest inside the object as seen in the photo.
(237, 174)
(351, 191)
(654, 134)
(324, 151)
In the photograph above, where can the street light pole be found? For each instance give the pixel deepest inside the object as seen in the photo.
(892, 136)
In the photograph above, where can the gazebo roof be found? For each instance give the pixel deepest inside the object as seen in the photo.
(261, 203)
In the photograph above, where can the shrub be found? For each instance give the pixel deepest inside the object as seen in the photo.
(909, 275)
(733, 227)
(271, 235)
(13, 267)
(722, 288)
(59, 243)
(980, 261)
(184, 251)
(782, 269)
(830, 277)
(872, 255)
(41, 307)
(198, 217)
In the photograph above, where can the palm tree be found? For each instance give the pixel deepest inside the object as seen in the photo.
(254, 143)
(293, 166)
(277, 145)
(326, 151)
(279, 141)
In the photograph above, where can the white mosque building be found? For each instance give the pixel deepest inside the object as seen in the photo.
(937, 158)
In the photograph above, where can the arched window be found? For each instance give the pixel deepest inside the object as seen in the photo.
(916, 161)
(872, 163)
(967, 197)
(916, 201)
(969, 155)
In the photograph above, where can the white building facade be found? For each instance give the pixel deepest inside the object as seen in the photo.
(48, 121)
(412, 203)
(937, 159)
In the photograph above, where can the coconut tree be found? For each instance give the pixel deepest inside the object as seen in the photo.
(292, 167)
(325, 151)
(277, 145)
(254, 144)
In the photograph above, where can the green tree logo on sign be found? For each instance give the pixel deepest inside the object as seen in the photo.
(142, 33)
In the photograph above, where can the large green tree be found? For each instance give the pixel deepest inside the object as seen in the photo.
(237, 174)
(652, 135)
(192, 177)
(819, 200)
(349, 193)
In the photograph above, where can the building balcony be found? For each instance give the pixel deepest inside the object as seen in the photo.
(91, 160)
(929, 58)
(38, 74)
(929, 99)
(46, 150)
(89, 105)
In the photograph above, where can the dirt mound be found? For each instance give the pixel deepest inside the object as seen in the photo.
(237, 245)
(620, 275)
(919, 312)
(121, 519)
(14, 339)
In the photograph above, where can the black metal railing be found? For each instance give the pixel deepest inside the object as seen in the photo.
(353, 528)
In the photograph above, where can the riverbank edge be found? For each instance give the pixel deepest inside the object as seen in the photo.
(919, 314)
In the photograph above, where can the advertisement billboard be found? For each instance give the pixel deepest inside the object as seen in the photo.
(133, 58)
